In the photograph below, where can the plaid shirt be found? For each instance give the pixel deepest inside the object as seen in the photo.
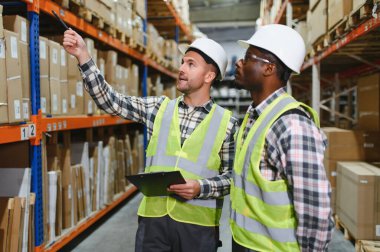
(294, 149)
(144, 110)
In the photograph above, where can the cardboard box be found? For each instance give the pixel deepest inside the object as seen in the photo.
(337, 10)
(358, 199)
(371, 146)
(368, 102)
(54, 60)
(64, 82)
(25, 79)
(72, 68)
(76, 97)
(343, 144)
(111, 61)
(19, 25)
(6, 206)
(317, 21)
(45, 95)
(12, 54)
(3, 82)
(139, 7)
(14, 100)
(44, 57)
(55, 97)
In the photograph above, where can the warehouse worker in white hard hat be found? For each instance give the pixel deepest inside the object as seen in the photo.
(280, 195)
(190, 134)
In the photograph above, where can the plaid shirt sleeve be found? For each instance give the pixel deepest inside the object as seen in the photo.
(299, 152)
(220, 185)
(138, 109)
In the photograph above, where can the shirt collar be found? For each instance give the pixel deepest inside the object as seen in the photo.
(257, 110)
(206, 106)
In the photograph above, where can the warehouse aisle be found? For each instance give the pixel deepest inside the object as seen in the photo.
(117, 233)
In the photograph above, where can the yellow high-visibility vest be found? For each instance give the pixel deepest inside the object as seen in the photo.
(262, 214)
(198, 158)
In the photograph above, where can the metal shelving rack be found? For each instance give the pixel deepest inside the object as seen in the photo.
(32, 131)
(351, 55)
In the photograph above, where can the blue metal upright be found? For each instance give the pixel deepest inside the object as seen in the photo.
(145, 74)
(36, 160)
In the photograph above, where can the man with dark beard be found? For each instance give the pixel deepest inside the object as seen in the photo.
(280, 195)
(190, 134)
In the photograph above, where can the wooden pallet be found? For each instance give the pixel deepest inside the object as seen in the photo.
(320, 44)
(361, 14)
(368, 246)
(121, 36)
(338, 31)
(340, 225)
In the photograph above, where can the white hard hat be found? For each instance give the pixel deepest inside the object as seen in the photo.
(282, 41)
(213, 50)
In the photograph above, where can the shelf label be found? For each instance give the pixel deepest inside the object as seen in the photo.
(48, 127)
(64, 106)
(59, 125)
(55, 103)
(79, 88)
(24, 133)
(2, 49)
(43, 105)
(54, 126)
(63, 57)
(89, 107)
(23, 31)
(32, 130)
(17, 106)
(72, 102)
(64, 124)
(54, 56)
(14, 48)
(42, 49)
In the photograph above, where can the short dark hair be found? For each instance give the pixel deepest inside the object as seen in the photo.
(207, 59)
(283, 72)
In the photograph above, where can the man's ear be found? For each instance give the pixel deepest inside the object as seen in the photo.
(210, 76)
(269, 69)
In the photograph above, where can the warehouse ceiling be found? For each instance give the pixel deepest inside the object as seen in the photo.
(225, 20)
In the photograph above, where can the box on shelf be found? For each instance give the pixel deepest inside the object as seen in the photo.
(76, 97)
(54, 78)
(358, 199)
(20, 25)
(44, 76)
(337, 10)
(139, 7)
(368, 112)
(64, 82)
(13, 69)
(3, 83)
(317, 21)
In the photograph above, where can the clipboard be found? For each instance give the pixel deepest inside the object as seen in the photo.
(156, 183)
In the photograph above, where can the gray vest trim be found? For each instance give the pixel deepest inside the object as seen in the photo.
(210, 203)
(253, 226)
(199, 167)
(271, 198)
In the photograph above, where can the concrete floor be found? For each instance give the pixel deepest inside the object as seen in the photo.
(117, 232)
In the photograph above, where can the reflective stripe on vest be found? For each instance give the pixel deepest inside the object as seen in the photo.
(249, 188)
(271, 198)
(278, 234)
(198, 168)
